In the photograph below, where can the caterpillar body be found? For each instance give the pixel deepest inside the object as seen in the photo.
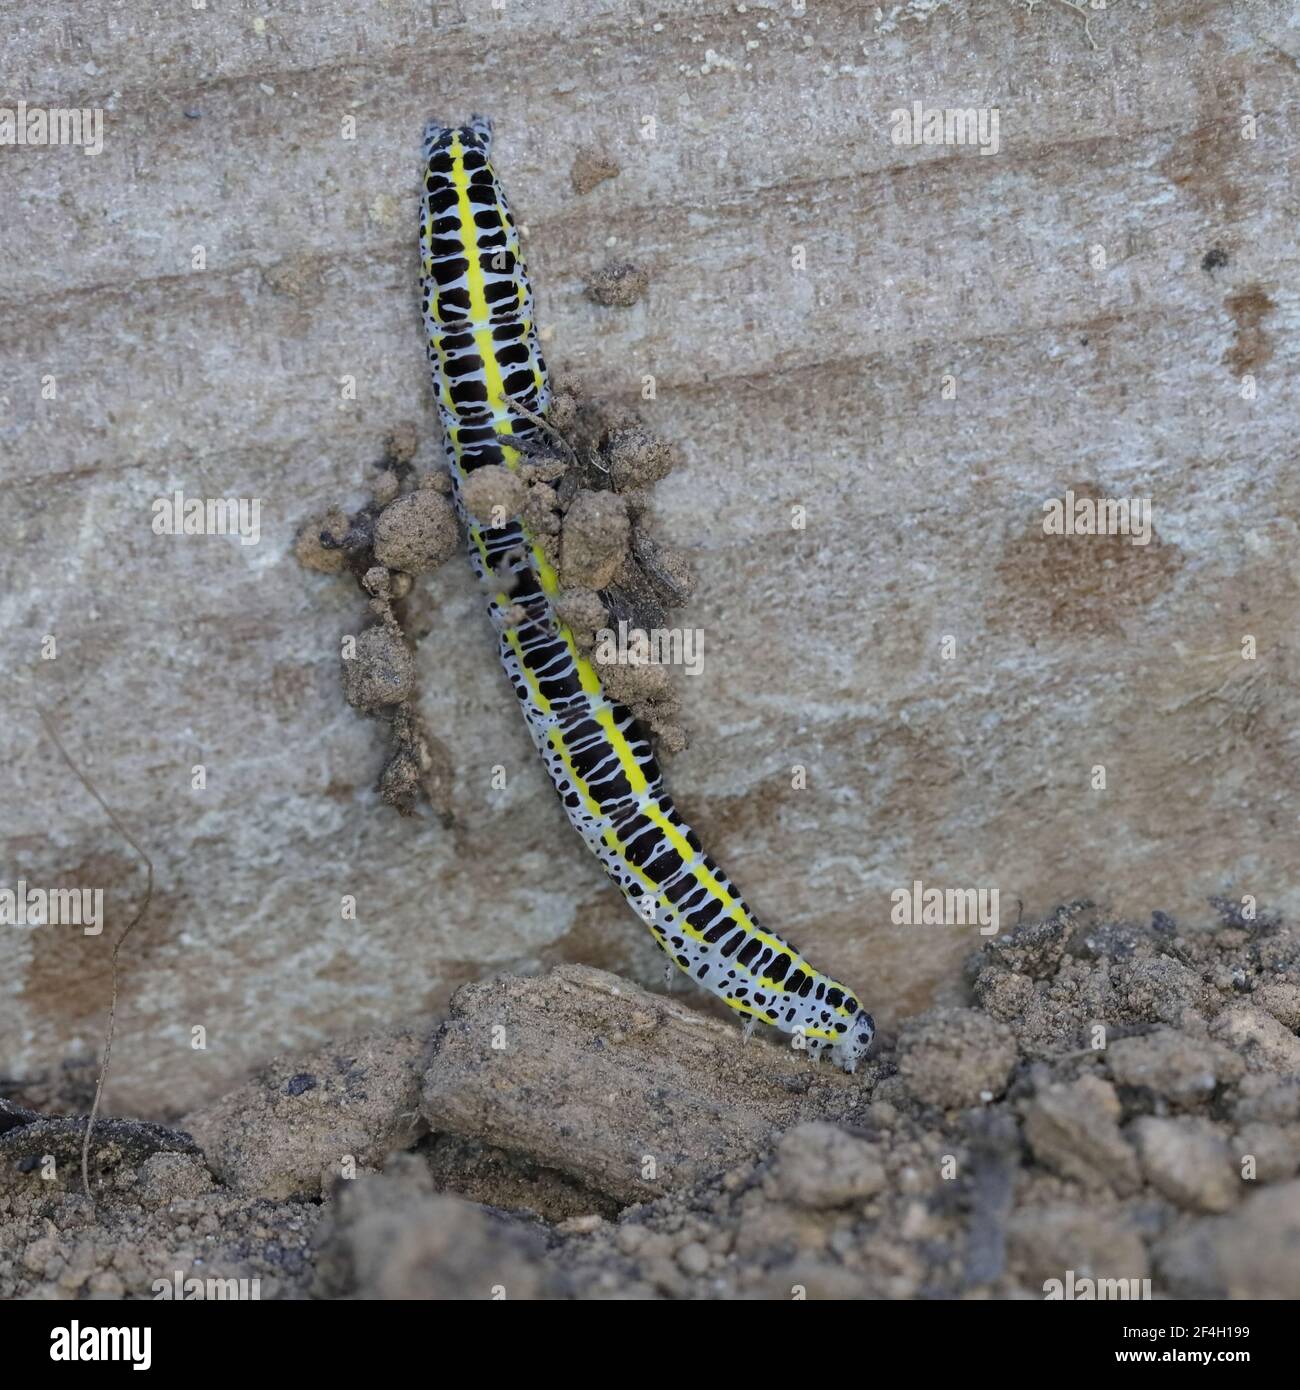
(492, 391)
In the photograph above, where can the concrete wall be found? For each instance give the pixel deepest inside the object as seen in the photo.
(820, 386)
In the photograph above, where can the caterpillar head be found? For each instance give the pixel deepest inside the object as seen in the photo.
(477, 135)
(852, 1047)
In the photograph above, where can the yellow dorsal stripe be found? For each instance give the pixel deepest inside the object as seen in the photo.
(479, 313)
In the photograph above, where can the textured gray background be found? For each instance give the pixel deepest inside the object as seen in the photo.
(819, 387)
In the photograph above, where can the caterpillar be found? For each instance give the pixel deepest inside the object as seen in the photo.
(493, 395)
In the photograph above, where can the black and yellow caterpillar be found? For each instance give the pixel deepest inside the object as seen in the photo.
(492, 391)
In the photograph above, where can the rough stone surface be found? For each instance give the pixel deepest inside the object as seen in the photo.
(952, 1057)
(819, 1165)
(1189, 1162)
(299, 1123)
(822, 387)
(1073, 1128)
(634, 1074)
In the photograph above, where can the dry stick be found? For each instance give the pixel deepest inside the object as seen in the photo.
(144, 907)
(542, 423)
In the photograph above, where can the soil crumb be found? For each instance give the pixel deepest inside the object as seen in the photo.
(407, 529)
(494, 495)
(596, 534)
(319, 545)
(583, 489)
(416, 533)
(381, 672)
(619, 285)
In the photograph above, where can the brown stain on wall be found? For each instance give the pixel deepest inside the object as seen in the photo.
(1204, 160)
(69, 975)
(924, 776)
(1251, 347)
(1078, 584)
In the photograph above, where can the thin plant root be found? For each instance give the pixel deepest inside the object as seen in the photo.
(117, 945)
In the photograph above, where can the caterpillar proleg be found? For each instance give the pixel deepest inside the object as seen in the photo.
(492, 389)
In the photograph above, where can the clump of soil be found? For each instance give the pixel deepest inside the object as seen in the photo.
(1116, 1099)
(595, 540)
(381, 671)
(319, 545)
(407, 528)
(583, 494)
(619, 285)
(636, 458)
(416, 533)
(619, 584)
(492, 496)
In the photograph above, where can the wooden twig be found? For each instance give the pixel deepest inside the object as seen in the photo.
(542, 423)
